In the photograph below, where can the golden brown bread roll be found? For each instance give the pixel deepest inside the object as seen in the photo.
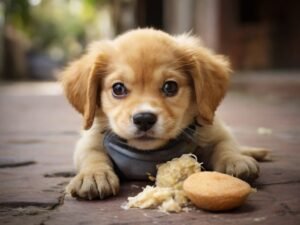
(216, 191)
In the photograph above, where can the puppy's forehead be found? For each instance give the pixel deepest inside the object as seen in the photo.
(146, 50)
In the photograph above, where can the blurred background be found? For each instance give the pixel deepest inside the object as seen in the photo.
(38, 37)
(38, 128)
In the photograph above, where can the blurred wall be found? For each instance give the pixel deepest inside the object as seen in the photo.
(1, 38)
(255, 34)
(38, 37)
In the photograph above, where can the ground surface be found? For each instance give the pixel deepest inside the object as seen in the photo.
(38, 130)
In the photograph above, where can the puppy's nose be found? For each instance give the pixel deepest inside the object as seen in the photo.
(144, 121)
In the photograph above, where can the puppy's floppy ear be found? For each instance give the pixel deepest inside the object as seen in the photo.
(210, 75)
(81, 81)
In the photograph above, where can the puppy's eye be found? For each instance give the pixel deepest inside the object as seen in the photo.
(119, 90)
(170, 88)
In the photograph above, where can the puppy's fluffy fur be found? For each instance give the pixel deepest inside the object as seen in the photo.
(143, 60)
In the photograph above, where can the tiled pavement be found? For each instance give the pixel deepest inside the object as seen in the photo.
(38, 130)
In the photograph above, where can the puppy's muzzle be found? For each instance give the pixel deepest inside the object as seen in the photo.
(144, 121)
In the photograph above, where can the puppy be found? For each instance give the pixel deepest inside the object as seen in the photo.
(147, 87)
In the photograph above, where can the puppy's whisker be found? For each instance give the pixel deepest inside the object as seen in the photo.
(108, 131)
(189, 136)
(168, 122)
(105, 128)
(119, 141)
(122, 142)
(196, 132)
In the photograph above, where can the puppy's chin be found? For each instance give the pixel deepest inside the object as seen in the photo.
(147, 144)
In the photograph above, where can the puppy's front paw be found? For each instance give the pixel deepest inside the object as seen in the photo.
(240, 166)
(94, 184)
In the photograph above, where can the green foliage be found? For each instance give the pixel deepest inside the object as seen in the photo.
(17, 12)
(54, 24)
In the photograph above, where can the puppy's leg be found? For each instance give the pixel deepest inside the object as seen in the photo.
(96, 177)
(226, 155)
(228, 159)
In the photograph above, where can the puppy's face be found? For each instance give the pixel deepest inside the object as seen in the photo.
(145, 95)
(149, 85)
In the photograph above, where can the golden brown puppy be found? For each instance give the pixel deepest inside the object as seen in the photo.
(147, 87)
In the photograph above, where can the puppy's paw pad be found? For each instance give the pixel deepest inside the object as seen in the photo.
(97, 185)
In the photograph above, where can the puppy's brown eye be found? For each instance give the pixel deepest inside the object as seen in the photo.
(170, 88)
(119, 90)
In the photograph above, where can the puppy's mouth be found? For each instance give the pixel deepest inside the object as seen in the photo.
(146, 141)
(145, 137)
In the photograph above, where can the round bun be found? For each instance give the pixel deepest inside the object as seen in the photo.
(215, 191)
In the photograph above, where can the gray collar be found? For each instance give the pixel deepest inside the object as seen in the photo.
(135, 164)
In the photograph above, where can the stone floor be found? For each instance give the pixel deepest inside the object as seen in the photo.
(38, 130)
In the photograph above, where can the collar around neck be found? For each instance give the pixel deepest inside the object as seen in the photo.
(138, 164)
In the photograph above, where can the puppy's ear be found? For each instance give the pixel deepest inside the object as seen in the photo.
(210, 75)
(81, 81)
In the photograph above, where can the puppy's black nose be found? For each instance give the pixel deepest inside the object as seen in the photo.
(144, 121)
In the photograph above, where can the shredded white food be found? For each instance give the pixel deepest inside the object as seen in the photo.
(167, 195)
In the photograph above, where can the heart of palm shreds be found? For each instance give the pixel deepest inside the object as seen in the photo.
(167, 194)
